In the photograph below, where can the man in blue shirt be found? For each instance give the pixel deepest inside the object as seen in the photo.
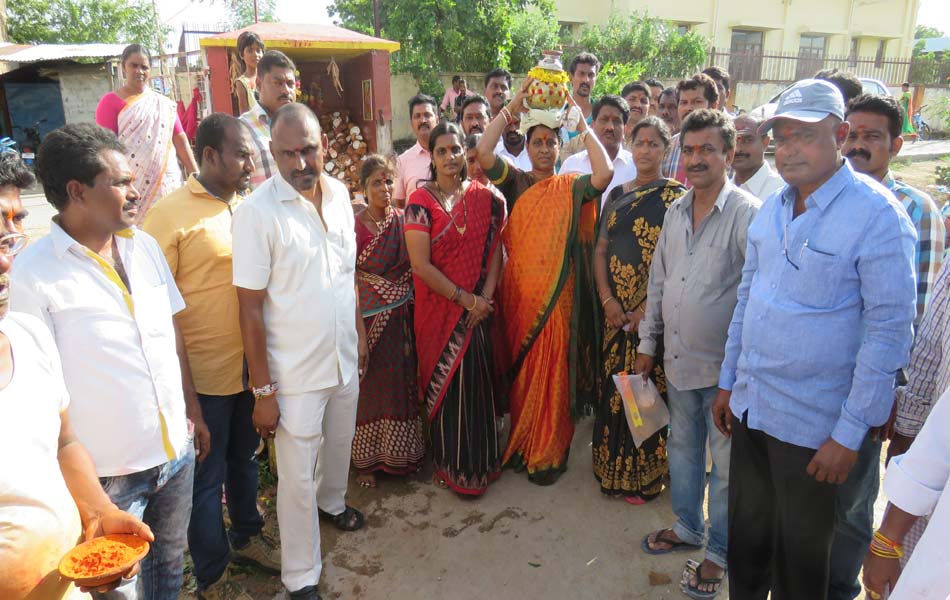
(822, 324)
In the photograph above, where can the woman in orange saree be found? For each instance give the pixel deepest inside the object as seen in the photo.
(546, 295)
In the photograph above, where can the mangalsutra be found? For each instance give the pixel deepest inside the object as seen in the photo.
(444, 204)
(379, 224)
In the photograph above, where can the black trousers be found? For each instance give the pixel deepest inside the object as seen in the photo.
(781, 521)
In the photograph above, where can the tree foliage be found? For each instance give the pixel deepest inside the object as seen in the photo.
(532, 31)
(614, 76)
(924, 32)
(442, 36)
(242, 12)
(84, 21)
(643, 45)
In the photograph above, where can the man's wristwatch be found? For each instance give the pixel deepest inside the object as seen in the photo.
(268, 390)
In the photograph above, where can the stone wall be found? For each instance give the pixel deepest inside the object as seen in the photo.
(82, 86)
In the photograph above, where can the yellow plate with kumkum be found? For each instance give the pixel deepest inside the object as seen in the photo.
(103, 560)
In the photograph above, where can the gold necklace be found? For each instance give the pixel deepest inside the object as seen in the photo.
(444, 204)
(378, 224)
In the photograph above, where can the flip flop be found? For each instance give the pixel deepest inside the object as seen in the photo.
(693, 568)
(675, 546)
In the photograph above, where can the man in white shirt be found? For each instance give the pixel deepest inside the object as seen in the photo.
(49, 495)
(752, 172)
(917, 484)
(304, 342)
(105, 291)
(513, 147)
(610, 114)
(412, 165)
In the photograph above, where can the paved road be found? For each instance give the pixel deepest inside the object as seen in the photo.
(41, 211)
(925, 150)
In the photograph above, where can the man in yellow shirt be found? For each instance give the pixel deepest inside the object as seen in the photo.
(193, 228)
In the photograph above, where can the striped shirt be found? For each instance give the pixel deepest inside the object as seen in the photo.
(929, 372)
(258, 123)
(672, 166)
(931, 236)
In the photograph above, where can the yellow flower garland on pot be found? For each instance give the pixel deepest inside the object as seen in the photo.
(549, 76)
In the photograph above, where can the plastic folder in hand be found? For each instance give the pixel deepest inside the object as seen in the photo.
(643, 406)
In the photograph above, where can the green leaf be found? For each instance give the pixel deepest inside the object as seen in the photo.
(83, 21)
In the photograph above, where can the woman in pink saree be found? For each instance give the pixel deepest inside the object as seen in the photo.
(148, 124)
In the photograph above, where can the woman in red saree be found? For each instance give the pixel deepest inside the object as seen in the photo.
(547, 292)
(388, 419)
(453, 228)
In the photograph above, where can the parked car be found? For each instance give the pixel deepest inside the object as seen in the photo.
(871, 86)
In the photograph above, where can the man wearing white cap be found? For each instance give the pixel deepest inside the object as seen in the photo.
(829, 295)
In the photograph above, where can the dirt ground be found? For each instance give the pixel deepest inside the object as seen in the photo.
(519, 541)
(921, 175)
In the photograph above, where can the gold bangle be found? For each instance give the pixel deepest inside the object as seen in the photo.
(474, 304)
(882, 554)
(604, 302)
(886, 540)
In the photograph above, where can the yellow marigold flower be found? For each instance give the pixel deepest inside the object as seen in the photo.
(548, 76)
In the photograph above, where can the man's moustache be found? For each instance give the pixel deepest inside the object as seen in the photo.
(859, 152)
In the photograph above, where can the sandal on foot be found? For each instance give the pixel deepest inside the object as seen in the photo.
(693, 569)
(661, 538)
(348, 520)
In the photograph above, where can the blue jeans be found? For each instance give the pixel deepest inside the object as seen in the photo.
(160, 496)
(854, 521)
(690, 424)
(230, 463)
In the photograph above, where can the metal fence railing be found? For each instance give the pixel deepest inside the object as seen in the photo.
(781, 67)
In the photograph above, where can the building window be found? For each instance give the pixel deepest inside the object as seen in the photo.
(853, 54)
(879, 57)
(745, 62)
(683, 28)
(811, 56)
(566, 31)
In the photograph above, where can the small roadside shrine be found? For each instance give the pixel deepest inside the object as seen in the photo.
(343, 76)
